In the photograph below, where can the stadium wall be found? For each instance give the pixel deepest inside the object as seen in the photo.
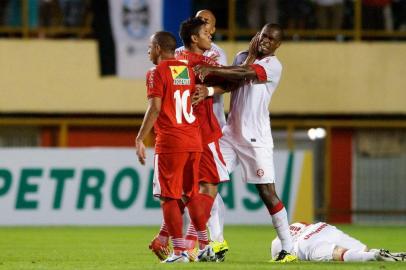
(38, 76)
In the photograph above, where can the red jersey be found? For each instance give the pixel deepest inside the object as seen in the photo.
(177, 128)
(210, 127)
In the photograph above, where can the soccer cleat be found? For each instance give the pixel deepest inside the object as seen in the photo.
(160, 250)
(192, 254)
(385, 255)
(400, 255)
(206, 255)
(220, 249)
(284, 257)
(182, 258)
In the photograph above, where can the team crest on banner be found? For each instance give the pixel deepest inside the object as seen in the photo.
(180, 75)
(133, 22)
(135, 18)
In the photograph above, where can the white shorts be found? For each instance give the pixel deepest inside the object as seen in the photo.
(319, 246)
(256, 162)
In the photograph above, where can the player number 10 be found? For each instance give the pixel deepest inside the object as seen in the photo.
(181, 104)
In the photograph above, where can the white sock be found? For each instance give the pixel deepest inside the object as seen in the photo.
(281, 225)
(216, 221)
(353, 255)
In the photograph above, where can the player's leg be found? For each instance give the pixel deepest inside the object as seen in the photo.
(211, 172)
(258, 168)
(216, 221)
(168, 180)
(350, 249)
(160, 243)
(329, 251)
(199, 205)
(208, 185)
(216, 228)
(279, 218)
(353, 255)
(344, 240)
(225, 160)
(173, 218)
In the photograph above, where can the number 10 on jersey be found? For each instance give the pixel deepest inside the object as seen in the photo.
(181, 105)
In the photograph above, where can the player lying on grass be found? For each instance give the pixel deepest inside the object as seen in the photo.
(324, 242)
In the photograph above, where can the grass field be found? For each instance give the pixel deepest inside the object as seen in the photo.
(126, 248)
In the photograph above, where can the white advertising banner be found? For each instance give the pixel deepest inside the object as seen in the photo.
(108, 186)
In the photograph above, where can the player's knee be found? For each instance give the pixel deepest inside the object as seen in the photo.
(338, 253)
(208, 188)
(267, 193)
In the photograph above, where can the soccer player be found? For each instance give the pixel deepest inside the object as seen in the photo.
(324, 242)
(212, 168)
(247, 136)
(216, 221)
(178, 144)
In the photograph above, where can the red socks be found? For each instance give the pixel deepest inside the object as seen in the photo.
(190, 237)
(173, 219)
(199, 210)
(276, 208)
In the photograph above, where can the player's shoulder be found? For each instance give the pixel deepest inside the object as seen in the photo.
(242, 54)
(217, 48)
(170, 62)
(271, 60)
(270, 63)
(240, 57)
(180, 50)
(217, 53)
(151, 71)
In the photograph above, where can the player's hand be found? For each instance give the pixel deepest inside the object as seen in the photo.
(201, 72)
(200, 94)
(140, 150)
(252, 50)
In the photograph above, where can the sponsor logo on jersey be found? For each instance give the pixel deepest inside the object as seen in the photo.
(319, 229)
(180, 75)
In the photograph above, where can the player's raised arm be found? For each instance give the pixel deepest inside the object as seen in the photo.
(202, 91)
(232, 73)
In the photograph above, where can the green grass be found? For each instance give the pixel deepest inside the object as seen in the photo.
(126, 248)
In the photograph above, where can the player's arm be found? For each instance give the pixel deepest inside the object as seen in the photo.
(153, 110)
(231, 73)
(245, 71)
(203, 91)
